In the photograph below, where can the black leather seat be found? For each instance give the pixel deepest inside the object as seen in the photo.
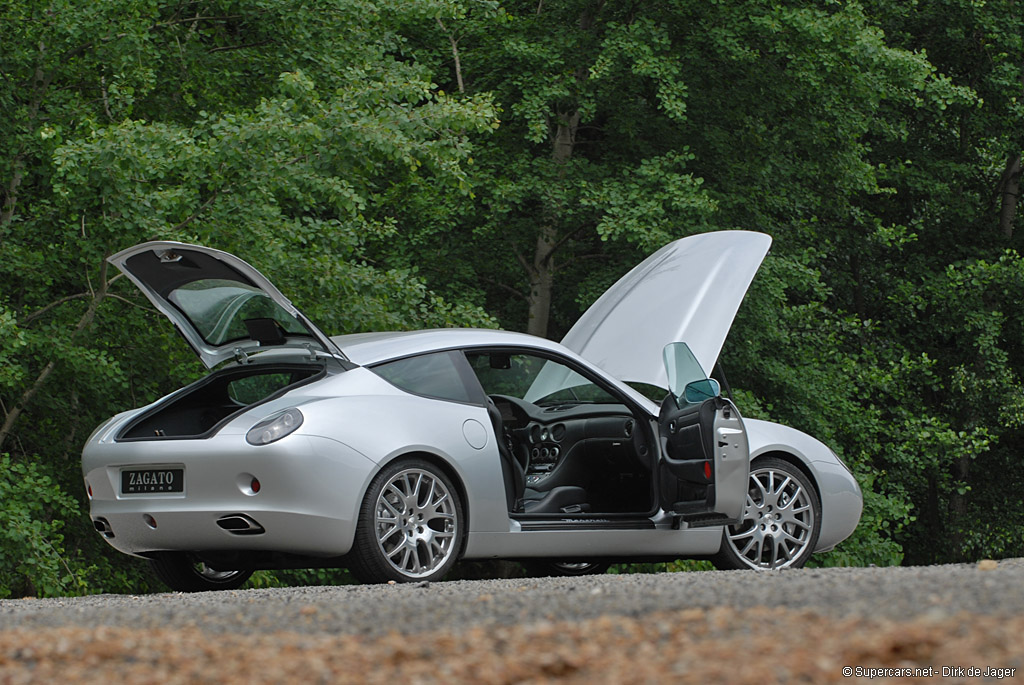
(561, 499)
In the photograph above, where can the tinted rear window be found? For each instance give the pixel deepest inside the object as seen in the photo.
(433, 375)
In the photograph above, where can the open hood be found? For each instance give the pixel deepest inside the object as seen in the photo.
(223, 307)
(688, 291)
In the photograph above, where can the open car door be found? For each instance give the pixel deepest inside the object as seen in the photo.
(705, 457)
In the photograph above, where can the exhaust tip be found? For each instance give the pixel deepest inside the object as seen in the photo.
(240, 524)
(102, 526)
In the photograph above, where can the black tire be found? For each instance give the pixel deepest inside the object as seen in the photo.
(411, 525)
(781, 520)
(565, 568)
(183, 572)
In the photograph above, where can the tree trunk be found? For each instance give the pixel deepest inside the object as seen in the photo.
(542, 269)
(40, 82)
(858, 288)
(1009, 187)
(958, 510)
(542, 278)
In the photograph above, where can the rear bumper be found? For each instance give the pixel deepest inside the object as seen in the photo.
(288, 532)
(307, 502)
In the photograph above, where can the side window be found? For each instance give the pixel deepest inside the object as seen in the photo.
(252, 389)
(534, 379)
(505, 374)
(433, 375)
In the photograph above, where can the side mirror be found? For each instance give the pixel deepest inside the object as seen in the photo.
(698, 391)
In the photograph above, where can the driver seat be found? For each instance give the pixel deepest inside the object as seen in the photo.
(563, 499)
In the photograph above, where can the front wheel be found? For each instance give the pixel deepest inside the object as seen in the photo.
(183, 572)
(781, 520)
(410, 525)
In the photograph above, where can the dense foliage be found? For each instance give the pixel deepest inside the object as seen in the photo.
(445, 162)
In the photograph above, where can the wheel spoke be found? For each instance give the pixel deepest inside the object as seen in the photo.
(393, 489)
(760, 486)
(779, 551)
(797, 542)
(406, 553)
(797, 523)
(746, 549)
(793, 498)
(436, 510)
(384, 538)
(440, 500)
(414, 496)
(779, 495)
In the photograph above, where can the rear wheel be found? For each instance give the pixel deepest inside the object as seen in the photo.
(410, 525)
(781, 520)
(185, 573)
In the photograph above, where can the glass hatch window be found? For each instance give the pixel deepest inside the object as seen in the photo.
(219, 308)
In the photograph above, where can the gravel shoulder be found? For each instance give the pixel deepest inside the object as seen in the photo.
(797, 625)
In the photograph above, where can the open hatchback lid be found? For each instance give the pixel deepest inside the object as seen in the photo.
(688, 291)
(223, 307)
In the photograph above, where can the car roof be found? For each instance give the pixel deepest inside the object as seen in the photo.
(367, 349)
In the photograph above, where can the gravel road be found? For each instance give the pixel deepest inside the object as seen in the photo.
(802, 625)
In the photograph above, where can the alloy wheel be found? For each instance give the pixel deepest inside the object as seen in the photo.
(415, 522)
(779, 520)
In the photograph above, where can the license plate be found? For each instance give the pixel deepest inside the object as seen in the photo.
(139, 481)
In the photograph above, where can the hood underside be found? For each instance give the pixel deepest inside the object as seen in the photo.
(688, 291)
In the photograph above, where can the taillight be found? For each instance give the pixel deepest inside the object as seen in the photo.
(274, 428)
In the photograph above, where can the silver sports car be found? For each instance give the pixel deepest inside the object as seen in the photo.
(396, 454)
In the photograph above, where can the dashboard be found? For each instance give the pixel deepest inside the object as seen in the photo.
(560, 444)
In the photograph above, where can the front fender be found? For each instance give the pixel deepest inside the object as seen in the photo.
(841, 498)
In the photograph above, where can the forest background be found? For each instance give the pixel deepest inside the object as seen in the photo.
(396, 164)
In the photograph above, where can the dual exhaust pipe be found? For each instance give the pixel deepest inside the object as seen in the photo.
(236, 524)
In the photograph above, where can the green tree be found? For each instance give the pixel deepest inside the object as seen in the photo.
(625, 126)
(262, 128)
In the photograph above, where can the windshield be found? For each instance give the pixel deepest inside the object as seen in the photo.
(219, 308)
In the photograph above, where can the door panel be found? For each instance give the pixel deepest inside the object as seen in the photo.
(704, 465)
